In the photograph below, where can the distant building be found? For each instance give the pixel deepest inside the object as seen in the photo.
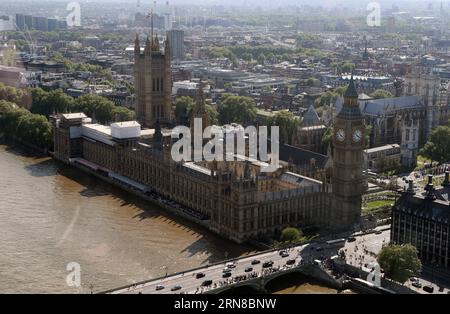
(176, 38)
(40, 23)
(29, 21)
(383, 158)
(422, 218)
(310, 132)
(20, 21)
(12, 76)
(6, 23)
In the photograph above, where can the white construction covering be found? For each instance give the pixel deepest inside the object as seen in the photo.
(124, 130)
(97, 132)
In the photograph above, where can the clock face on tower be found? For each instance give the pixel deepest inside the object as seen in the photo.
(340, 135)
(357, 136)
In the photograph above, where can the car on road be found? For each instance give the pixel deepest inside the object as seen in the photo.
(256, 262)
(284, 254)
(268, 264)
(290, 262)
(230, 265)
(417, 284)
(159, 287)
(226, 270)
(413, 279)
(226, 275)
(351, 239)
(248, 269)
(175, 288)
(199, 275)
(206, 283)
(428, 289)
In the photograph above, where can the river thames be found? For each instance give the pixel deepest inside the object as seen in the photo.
(52, 215)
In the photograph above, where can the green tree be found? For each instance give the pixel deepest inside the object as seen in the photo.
(400, 262)
(262, 59)
(95, 106)
(183, 107)
(288, 124)
(213, 115)
(438, 146)
(237, 109)
(46, 103)
(326, 98)
(327, 138)
(11, 94)
(380, 94)
(291, 235)
(121, 114)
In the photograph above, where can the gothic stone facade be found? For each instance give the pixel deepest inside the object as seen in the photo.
(239, 201)
(153, 83)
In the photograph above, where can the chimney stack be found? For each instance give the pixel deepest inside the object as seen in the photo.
(410, 189)
(430, 189)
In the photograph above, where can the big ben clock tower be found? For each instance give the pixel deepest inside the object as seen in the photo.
(348, 181)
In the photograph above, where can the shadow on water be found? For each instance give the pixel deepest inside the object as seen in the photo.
(45, 168)
(21, 150)
(205, 239)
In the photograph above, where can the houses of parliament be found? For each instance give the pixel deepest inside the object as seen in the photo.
(231, 198)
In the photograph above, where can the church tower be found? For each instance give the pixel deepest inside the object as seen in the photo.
(348, 181)
(153, 83)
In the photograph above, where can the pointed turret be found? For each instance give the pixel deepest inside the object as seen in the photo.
(148, 46)
(199, 110)
(167, 50)
(311, 118)
(351, 91)
(156, 44)
(137, 45)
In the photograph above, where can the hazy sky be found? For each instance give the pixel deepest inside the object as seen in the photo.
(403, 4)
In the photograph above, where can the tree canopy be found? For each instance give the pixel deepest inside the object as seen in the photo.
(380, 94)
(102, 109)
(287, 122)
(400, 262)
(438, 146)
(237, 109)
(183, 110)
(19, 122)
(290, 235)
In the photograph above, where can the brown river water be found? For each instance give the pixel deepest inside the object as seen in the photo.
(52, 215)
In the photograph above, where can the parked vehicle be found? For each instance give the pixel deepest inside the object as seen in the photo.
(248, 269)
(255, 262)
(268, 264)
(226, 275)
(199, 275)
(206, 283)
(428, 289)
(417, 284)
(159, 287)
(176, 288)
